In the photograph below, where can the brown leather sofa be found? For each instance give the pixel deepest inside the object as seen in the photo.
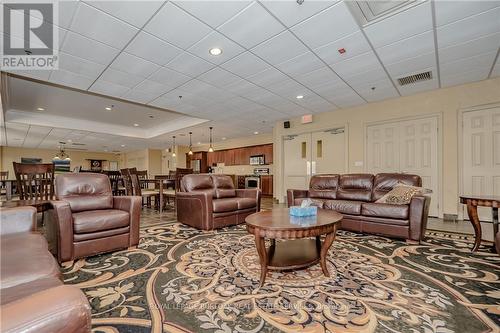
(210, 201)
(354, 196)
(32, 295)
(87, 219)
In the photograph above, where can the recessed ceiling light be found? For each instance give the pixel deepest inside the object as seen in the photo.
(215, 51)
(123, 145)
(40, 109)
(108, 108)
(224, 138)
(69, 140)
(199, 142)
(136, 125)
(255, 132)
(300, 96)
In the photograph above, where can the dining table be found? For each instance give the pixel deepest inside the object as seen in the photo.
(474, 201)
(8, 185)
(160, 184)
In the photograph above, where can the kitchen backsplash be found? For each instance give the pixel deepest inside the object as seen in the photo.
(241, 169)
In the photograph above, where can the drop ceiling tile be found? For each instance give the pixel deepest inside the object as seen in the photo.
(151, 48)
(139, 96)
(272, 50)
(407, 23)
(383, 90)
(66, 11)
(354, 44)
(369, 76)
(189, 64)
(463, 77)
(327, 26)
(70, 79)
(450, 11)
(268, 77)
(104, 27)
(289, 89)
(169, 77)
(134, 65)
(177, 27)
(133, 12)
(219, 77)
(469, 28)
(153, 87)
(361, 63)
(79, 66)
(213, 12)
(479, 63)
(290, 13)
(496, 70)
(488, 43)
(244, 65)
(35, 136)
(339, 93)
(302, 64)
(418, 87)
(318, 77)
(407, 48)
(89, 49)
(215, 39)
(251, 26)
(108, 88)
(412, 65)
(121, 78)
(168, 101)
(35, 74)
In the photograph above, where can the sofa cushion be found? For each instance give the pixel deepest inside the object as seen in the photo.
(198, 183)
(84, 191)
(324, 186)
(224, 187)
(355, 187)
(344, 206)
(385, 182)
(99, 220)
(224, 205)
(245, 203)
(385, 210)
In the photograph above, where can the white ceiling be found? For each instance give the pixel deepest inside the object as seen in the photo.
(152, 52)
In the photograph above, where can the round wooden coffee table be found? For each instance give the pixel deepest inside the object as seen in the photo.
(301, 251)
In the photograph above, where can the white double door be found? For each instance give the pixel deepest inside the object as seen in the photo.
(409, 146)
(481, 155)
(313, 153)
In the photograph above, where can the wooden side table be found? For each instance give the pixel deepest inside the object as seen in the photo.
(299, 253)
(472, 203)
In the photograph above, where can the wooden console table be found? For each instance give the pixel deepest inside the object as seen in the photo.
(472, 203)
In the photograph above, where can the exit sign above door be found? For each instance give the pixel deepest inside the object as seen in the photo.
(307, 118)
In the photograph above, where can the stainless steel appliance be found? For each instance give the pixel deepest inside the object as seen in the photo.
(261, 171)
(252, 182)
(257, 160)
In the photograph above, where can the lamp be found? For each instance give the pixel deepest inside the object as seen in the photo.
(211, 149)
(173, 147)
(190, 152)
(61, 155)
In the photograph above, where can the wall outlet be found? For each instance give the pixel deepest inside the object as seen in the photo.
(358, 163)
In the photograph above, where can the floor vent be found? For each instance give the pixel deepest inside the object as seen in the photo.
(415, 78)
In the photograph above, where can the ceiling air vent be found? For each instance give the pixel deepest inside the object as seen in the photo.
(415, 78)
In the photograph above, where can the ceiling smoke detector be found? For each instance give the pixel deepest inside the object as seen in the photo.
(410, 79)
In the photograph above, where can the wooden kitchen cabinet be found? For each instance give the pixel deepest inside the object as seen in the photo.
(236, 156)
(266, 185)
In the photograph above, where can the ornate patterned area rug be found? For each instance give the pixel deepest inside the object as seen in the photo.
(184, 280)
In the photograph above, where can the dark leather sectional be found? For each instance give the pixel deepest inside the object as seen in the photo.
(209, 201)
(354, 196)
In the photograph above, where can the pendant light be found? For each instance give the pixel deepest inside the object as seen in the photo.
(61, 155)
(190, 152)
(211, 149)
(173, 147)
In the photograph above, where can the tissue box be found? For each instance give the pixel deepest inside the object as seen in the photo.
(303, 211)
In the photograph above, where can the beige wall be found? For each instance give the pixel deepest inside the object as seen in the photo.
(446, 103)
(14, 154)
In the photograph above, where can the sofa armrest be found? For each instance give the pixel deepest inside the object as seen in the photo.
(56, 310)
(19, 219)
(250, 193)
(59, 228)
(195, 209)
(419, 211)
(132, 205)
(291, 195)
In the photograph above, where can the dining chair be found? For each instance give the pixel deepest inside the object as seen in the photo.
(4, 175)
(116, 181)
(127, 181)
(34, 181)
(145, 193)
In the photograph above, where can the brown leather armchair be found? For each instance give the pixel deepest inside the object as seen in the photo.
(32, 295)
(87, 219)
(210, 201)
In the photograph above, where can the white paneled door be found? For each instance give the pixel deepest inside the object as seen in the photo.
(481, 155)
(409, 146)
(313, 153)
